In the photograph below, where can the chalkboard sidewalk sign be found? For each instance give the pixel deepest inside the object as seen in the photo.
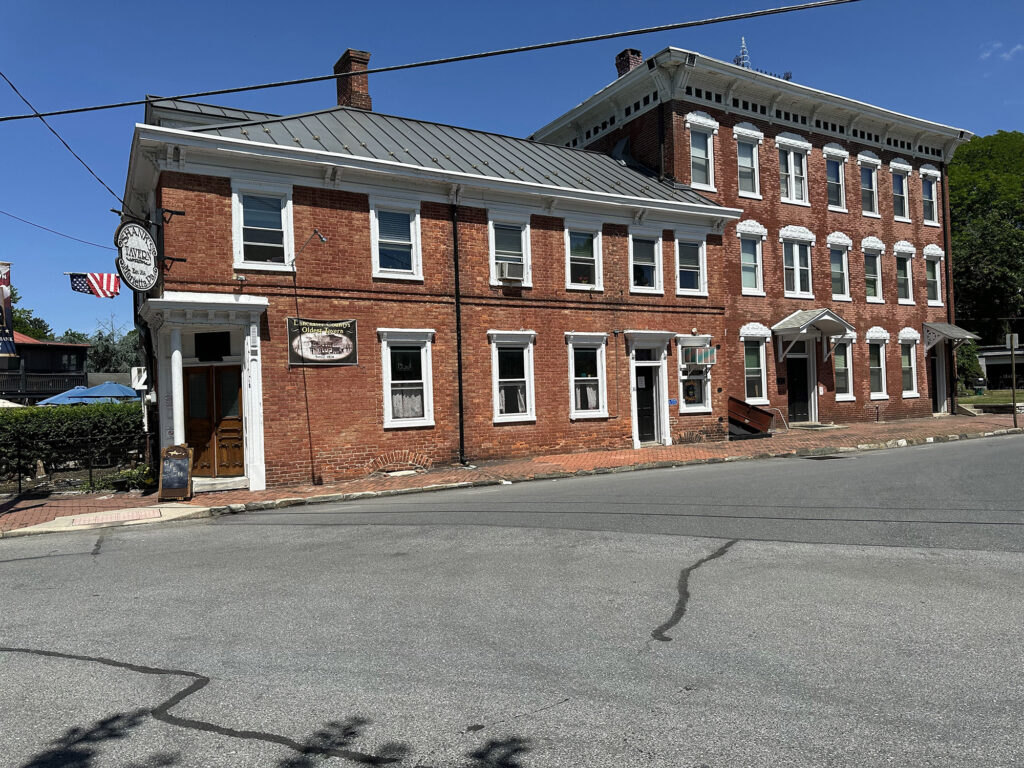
(175, 472)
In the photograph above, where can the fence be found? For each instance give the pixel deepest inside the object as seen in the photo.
(43, 465)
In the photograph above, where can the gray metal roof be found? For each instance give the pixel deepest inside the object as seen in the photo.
(197, 109)
(824, 319)
(361, 134)
(950, 331)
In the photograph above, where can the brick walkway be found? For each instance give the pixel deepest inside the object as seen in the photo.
(32, 511)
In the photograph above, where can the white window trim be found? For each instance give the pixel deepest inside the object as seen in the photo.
(683, 407)
(851, 396)
(795, 152)
(798, 236)
(757, 239)
(524, 340)
(841, 157)
(762, 343)
(872, 163)
(935, 254)
(398, 206)
(898, 169)
(872, 246)
(748, 134)
(240, 187)
(837, 246)
(912, 342)
(933, 175)
(882, 342)
(648, 234)
(701, 122)
(510, 219)
(598, 341)
(702, 261)
(422, 337)
(598, 285)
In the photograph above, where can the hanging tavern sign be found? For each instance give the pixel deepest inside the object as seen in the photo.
(322, 342)
(136, 256)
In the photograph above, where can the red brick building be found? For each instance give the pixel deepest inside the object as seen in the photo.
(458, 294)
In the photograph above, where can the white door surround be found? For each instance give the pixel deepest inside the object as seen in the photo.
(658, 344)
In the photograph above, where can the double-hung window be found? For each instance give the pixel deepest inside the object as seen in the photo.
(645, 262)
(262, 226)
(748, 141)
(408, 379)
(869, 165)
(750, 266)
(843, 365)
(754, 370)
(933, 256)
(691, 268)
(583, 259)
(835, 176)
(702, 129)
(395, 236)
(512, 375)
(929, 188)
(796, 264)
(793, 175)
(588, 396)
(904, 252)
(900, 202)
(908, 364)
(872, 248)
(696, 356)
(840, 268)
(877, 339)
(509, 238)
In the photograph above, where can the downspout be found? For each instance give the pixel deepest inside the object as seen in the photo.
(948, 283)
(661, 141)
(458, 323)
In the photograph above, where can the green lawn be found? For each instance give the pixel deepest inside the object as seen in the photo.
(992, 397)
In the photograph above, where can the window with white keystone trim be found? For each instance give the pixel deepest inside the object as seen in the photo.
(842, 362)
(869, 165)
(702, 129)
(793, 174)
(696, 356)
(262, 226)
(407, 377)
(873, 275)
(395, 240)
(929, 186)
(908, 365)
(691, 268)
(588, 396)
(900, 205)
(509, 242)
(748, 141)
(904, 277)
(877, 339)
(512, 375)
(754, 370)
(645, 262)
(750, 266)
(933, 275)
(583, 267)
(835, 176)
(796, 263)
(838, 256)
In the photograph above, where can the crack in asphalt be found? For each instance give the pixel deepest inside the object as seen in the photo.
(97, 545)
(161, 711)
(683, 587)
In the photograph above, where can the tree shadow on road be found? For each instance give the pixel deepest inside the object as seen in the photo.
(500, 753)
(337, 735)
(78, 747)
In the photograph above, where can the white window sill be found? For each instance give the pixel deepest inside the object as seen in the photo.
(932, 303)
(408, 423)
(879, 396)
(752, 292)
(511, 284)
(911, 395)
(685, 411)
(841, 298)
(703, 187)
(906, 302)
(260, 266)
(790, 295)
(837, 209)
(649, 291)
(846, 398)
(583, 415)
(750, 195)
(802, 203)
(874, 300)
(903, 219)
(585, 288)
(382, 275)
(932, 224)
(870, 215)
(703, 294)
(515, 418)
(758, 401)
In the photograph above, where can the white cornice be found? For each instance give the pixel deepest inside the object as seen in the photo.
(840, 239)
(872, 243)
(747, 131)
(751, 228)
(789, 140)
(793, 232)
(902, 246)
(909, 334)
(932, 251)
(877, 333)
(755, 331)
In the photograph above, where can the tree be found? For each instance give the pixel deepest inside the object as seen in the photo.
(74, 337)
(25, 320)
(986, 200)
(113, 351)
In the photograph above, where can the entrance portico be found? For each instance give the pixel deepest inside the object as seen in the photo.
(210, 383)
(648, 376)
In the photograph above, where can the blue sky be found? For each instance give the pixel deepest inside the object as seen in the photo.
(945, 60)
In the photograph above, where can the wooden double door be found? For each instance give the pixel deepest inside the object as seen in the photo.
(213, 420)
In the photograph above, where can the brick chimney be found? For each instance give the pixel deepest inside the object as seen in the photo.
(628, 60)
(353, 91)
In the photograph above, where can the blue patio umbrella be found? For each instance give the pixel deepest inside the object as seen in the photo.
(71, 397)
(107, 392)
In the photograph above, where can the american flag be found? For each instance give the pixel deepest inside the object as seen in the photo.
(101, 284)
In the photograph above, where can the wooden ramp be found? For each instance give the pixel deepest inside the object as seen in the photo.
(748, 421)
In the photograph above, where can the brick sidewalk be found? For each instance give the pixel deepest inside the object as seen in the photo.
(876, 435)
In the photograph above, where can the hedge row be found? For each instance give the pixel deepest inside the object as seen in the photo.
(64, 434)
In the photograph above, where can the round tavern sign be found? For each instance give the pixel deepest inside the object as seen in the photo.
(136, 256)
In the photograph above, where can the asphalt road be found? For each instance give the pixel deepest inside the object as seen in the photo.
(862, 611)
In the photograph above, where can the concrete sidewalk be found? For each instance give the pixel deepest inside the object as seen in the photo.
(26, 516)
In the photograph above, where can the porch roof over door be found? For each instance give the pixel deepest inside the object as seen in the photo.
(936, 332)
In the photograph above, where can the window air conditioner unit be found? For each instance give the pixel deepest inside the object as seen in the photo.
(511, 271)
(698, 355)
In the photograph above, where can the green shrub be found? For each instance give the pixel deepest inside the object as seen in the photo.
(58, 435)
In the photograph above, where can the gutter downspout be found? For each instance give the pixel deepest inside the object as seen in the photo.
(458, 322)
(661, 141)
(948, 283)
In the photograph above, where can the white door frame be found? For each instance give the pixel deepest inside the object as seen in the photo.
(940, 376)
(657, 341)
(812, 377)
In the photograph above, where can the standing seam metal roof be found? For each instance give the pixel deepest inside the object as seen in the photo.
(361, 134)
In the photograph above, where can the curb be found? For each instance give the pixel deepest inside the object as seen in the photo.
(544, 474)
(68, 527)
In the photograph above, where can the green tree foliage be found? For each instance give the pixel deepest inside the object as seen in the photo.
(26, 321)
(986, 199)
(967, 366)
(113, 351)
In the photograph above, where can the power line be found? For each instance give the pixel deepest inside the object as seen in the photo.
(61, 140)
(448, 60)
(55, 232)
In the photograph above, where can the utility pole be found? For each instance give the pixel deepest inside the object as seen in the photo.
(1011, 339)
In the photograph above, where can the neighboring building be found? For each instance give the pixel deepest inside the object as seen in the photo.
(996, 366)
(839, 306)
(41, 369)
(584, 299)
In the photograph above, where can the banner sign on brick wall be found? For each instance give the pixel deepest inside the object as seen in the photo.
(322, 342)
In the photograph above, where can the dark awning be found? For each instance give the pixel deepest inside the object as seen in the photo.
(810, 323)
(936, 332)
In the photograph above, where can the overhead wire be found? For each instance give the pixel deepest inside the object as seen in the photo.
(55, 232)
(435, 62)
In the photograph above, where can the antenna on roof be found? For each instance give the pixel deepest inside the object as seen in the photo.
(743, 59)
